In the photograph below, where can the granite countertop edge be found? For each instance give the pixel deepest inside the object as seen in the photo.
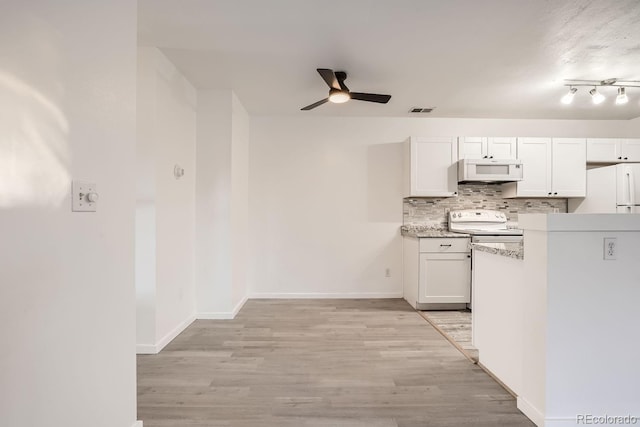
(515, 251)
(426, 233)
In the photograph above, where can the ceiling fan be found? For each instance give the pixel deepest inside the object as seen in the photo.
(339, 92)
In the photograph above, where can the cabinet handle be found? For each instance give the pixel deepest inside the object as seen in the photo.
(619, 158)
(468, 256)
(555, 194)
(484, 157)
(626, 158)
(549, 194)
(455, 193)
(445, 246)
(491, 157)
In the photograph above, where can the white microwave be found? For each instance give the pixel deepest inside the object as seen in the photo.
(489, 170)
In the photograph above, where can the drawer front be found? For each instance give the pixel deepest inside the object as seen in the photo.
(443, 245)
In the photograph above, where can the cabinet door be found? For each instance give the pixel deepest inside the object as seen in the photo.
(472, 147)
(433, 168)
(535, 154)
(569, 167)
(631, 150)
(445, 278)
(501, 148)
(604, 150)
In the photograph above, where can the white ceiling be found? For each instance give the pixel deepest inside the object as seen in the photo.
(467, 58)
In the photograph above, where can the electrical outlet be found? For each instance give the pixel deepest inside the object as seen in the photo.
(387, 272)
(610, 248)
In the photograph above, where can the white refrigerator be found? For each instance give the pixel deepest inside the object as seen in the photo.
(610, 189)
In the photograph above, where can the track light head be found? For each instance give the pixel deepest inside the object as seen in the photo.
(622, 97)
(568, 97)
(596, 96)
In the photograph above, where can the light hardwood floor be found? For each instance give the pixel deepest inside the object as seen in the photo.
(318, 363)
(456, 327)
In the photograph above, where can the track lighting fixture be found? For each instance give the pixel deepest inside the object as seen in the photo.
(622, 97)
(596, 96)
(568, 98)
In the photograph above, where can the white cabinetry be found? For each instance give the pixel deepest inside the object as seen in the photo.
(486, 148)
(437, 272)
(613, 150)
(553, 167)
(430, 168)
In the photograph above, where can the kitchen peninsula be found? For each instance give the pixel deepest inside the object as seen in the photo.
(559, 326)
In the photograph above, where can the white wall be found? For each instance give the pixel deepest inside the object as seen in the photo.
(221, 203)
(165, 214)
(240, 200)
(145, 237)
(67, 299)
(325, 196)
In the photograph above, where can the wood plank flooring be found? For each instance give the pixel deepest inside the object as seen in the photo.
(318, 363)
(456, 326)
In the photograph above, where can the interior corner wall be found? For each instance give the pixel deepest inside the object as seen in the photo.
(67, 299)
(240, 200)
(165, 209)
(145, 237)
(325, 196)
(221, 190)
(213, 203)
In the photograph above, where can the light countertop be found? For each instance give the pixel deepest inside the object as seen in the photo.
(429, 231)
(511, 250)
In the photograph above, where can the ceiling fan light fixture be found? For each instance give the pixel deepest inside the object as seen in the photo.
(339, 96)
(596, 96)
(568, 97)
(622, 97)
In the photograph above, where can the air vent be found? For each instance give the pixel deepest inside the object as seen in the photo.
(421, 110)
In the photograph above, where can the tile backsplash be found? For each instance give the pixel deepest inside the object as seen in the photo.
(434, 211)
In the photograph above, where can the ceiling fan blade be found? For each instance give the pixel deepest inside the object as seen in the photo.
(329, 77)
(341, 76)
(314, 105)
(371, 97)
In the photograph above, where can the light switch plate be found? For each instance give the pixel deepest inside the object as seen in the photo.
(79, 192)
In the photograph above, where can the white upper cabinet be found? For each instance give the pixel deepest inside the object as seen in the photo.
(535, 154)
(569, 167)
(631, 150)
(430, 167)
(502, 148)
(553, 167)
(613, 150)
(470, 147)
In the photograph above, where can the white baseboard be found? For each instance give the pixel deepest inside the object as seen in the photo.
(530, 411)
(319, 295)
(162, 342)
(239, 306)
(563, 422)
(222, 315)
(146, 349)
(137, 424)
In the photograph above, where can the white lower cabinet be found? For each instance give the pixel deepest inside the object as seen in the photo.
(437, 272)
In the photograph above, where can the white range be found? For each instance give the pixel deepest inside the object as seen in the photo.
(484, 226)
